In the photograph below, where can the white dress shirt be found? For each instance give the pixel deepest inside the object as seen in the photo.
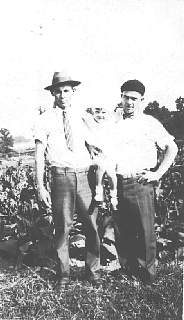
(50, 131)
(137, 139)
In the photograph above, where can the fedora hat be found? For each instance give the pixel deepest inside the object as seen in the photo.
(61, 78)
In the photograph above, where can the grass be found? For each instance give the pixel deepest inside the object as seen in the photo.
(28, 294)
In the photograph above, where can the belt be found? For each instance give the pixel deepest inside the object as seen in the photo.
(135, 175)
(65, 170)
(130, 177)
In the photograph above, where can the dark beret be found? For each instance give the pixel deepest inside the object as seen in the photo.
(133, 85)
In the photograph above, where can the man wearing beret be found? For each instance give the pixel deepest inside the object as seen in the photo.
(140, 137)
(59, 134)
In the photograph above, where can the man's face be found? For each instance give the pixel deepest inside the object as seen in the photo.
(131, 103)
(63, 96)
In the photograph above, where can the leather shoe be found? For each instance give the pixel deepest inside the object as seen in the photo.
(146, 278)
(93, 278)
(127, 270)
(61, 283)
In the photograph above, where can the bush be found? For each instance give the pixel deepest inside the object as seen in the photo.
(25, 219)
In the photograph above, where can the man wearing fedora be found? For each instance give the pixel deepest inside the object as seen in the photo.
(141, 136)
(60, 135)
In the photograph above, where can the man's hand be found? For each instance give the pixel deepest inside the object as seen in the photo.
(148, 176)
(44, 196)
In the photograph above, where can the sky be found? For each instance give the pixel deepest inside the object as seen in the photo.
(102, 43)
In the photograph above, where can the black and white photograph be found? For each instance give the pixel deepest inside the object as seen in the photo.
(91, 159)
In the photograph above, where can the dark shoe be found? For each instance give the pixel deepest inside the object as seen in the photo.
(130, 272)
(93, 278)
(146, 278)
(148, 286)
(62, 283)
(148, 283)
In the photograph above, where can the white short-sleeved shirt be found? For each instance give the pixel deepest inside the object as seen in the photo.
(137, 140)
(50, 131)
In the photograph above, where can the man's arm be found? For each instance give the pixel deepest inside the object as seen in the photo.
(40, 166)
(170, 154)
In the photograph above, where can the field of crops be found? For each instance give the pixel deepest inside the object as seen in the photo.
(25, 222)
(27, 258)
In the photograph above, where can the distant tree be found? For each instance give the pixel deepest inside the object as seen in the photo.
(6, 141)
(152, 108)
(180, 104)
(162, 114)
(175, 124)
(172, 120)
(164, 109)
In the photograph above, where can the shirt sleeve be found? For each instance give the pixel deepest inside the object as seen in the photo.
(161, 135)
(40, 131)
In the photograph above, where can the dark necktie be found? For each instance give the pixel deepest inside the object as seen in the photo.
(67, 131)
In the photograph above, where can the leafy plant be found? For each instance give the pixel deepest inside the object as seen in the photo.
(25, 219)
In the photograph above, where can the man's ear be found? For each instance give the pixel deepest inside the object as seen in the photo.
(74, 89)
(142, 98)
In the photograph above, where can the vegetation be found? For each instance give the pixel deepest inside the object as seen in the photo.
(27, 259)
(26, 220)
(27, 280)
(6, 141)
(172, 120)
(180, 104)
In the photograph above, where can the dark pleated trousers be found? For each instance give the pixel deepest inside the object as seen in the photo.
(134, 225)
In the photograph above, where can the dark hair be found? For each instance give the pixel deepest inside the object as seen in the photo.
(133, 85)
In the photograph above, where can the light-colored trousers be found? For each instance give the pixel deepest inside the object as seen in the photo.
(72, 191)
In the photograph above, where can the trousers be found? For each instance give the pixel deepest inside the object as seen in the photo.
(72, 191)
(134, 224)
